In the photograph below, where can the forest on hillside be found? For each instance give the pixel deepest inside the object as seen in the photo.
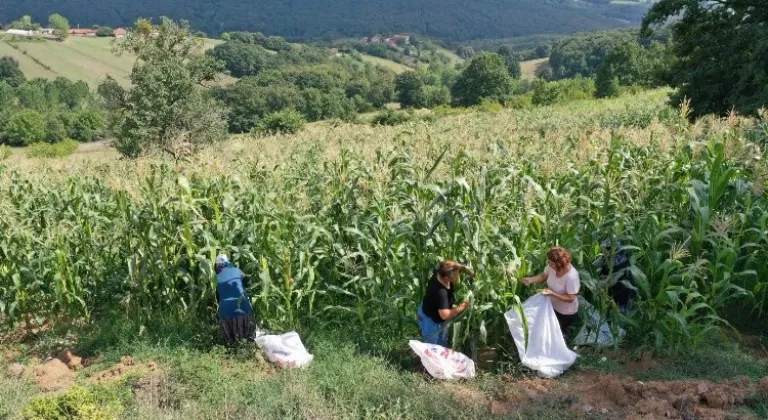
(302, 19)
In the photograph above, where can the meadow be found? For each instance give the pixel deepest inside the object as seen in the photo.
(340, 226)
(77, 58)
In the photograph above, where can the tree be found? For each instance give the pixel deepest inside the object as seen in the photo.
(513, 61)
(581, 54)
(55, 129)
(25, 127)
(105, 32)
(241, 59)
(721, 48)
(112, 94)
(466, 52)
(60, 25)
(86, 125)
(486, 77)
(166, 109)
(25, 24)
(606, 82)
(432, 96)
(408, 86)
(32, 95)
(10, 72)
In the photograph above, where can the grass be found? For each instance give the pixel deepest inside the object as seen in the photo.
(78, 58)
(531, 69)
(383, 62)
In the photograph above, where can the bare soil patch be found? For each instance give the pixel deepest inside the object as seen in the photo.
(125, 366)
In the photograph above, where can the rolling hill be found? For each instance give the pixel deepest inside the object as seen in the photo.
(77, 58)
(454, 20)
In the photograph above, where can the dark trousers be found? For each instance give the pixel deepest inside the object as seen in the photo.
(566, 321)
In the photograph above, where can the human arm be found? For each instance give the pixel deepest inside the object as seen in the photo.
(447, 314)
(560, 296)
(535, 279)
(444, 308)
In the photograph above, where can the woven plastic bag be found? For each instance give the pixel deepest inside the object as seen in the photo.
(546, 351)
(596, 331)
(285, 350)
(443, 363)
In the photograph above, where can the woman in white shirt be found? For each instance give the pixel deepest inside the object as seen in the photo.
(563, 285)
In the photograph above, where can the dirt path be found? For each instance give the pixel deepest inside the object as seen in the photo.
(618, 396)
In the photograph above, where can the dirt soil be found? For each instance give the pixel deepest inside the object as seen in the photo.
(126, 365)
(52, 375)
(623, 397)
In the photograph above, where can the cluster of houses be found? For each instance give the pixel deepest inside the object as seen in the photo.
(117, 33)
(394, 41)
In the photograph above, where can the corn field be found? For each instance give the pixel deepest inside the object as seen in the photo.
(347, 230)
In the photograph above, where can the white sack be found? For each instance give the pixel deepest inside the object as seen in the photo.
(443, 363)
(546, 352)
(595, 331)
(285, 350)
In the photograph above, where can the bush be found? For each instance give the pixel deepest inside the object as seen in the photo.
(55, 129)
(47, 150)
(488, 105)
(25, 127)
(392, 117)
(445, 110)
(288, 121)
(549, 93)
(77, 403)
(5, 152)
(520, 102)
(86, 125)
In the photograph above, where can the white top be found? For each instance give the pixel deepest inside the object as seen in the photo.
(569, 284)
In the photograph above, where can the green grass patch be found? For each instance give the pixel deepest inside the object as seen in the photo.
(5, 152)
(715, 361)
(47, 150)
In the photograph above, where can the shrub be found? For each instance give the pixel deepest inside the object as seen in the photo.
(86, 125)
(5, 152)
(47, 150)
(392, 117)
(25, 127)
(549, 93)
(77, 403)
(520, 102)
(287, 121)
(488, 105)
(55, 129)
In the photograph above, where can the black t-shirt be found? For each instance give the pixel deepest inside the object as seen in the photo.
(437, 297)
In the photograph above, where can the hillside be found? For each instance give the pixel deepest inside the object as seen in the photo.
(447, 19)
(77, 58)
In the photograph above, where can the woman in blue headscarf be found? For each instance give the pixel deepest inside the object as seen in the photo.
(235, 310)
(615, 271)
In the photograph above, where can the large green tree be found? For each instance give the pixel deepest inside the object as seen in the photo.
(60, 25)
(486, 77)
(408, 86)
(513, 61)
(722, 50)
(25, 127)
(10, 72)
(167, 109)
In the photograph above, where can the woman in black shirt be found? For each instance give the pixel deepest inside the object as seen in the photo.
(438, 304)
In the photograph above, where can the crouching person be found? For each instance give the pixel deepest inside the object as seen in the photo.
(235, 311)
(438, 305)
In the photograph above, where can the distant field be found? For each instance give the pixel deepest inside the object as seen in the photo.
(455, 59)
(532, 68)
(77, 58)
(388, 64)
